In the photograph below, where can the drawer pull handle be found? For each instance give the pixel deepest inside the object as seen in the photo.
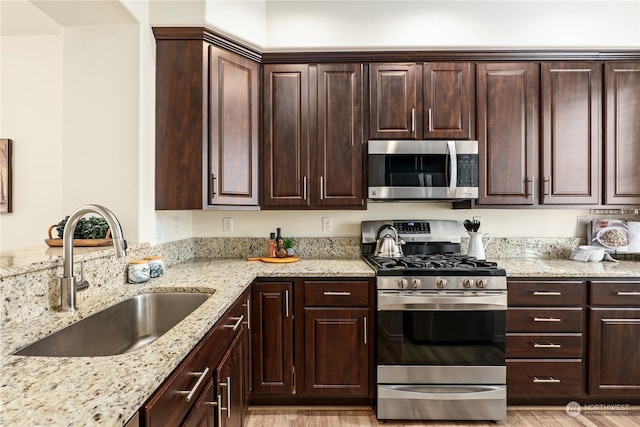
(248, 307)
(548, 380)
(220, 408)
(191, 392)
(628, 293)
(237, 324)
(337, 293)
(547, 293)
(546, 319)
(550, 345)
(228, 408)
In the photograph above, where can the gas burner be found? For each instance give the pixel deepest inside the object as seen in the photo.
(431, 262)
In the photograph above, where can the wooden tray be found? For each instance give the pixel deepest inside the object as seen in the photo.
(57, 243)
(275, 260)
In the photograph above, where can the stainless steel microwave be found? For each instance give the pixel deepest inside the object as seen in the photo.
(422, 170)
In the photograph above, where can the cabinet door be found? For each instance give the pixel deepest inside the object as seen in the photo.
(507, 113)
(233, 139)
(180, 127)
(336, 352)
(447, 100)
(393, 108)
(285, 157)
(571, 135)
(614, 362)
(339, 136)
(272, 337)
(203, 410)
(229, 391)
(622, 140)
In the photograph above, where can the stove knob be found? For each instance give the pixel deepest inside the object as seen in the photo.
(467, 283)
(481, 283)
(416, 283)
(403, 284)
(441, 283)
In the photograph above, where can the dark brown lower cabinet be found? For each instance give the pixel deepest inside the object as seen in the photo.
(229, 381)
(336, 348)
(197, 393)
(203, 410)
(272, 337)
(311, 340)
(544, 378)
(614, 353)
(544, 343)
(563, 346)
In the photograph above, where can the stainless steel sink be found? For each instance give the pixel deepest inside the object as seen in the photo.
(124, 327)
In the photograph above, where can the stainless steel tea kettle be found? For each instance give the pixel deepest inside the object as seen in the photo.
(389, 245)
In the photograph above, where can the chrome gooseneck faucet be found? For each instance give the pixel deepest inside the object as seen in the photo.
(68, 281)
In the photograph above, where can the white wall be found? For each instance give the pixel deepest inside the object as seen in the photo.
(101, 141)
(31, 115)
(463, 24)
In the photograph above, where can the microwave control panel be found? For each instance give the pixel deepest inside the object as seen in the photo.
(467, 170)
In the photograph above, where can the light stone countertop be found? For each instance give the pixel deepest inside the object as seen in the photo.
(551, 268)
(89, 391)
(107, 391)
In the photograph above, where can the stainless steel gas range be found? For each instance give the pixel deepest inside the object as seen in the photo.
(440, 325)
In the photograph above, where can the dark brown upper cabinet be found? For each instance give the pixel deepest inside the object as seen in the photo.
(622, 133)
(393, 101)
(507, 125)
(313, 136)
(233, 142)
(447, 100)
(206, 122)
(571, 133)
(285, 160)
(420, 101)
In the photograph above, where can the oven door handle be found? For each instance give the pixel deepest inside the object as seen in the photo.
(396, 301)
(437, 393)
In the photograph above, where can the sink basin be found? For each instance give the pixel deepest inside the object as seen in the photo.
(124, 327)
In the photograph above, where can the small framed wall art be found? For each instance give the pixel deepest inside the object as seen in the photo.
(5, 175)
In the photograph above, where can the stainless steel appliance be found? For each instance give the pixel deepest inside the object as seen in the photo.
(422, 170)
(440, 326)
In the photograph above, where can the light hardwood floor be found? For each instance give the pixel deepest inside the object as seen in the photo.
(520, 416)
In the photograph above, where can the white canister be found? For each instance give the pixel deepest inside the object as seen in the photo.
(138, 271)
(156, 266)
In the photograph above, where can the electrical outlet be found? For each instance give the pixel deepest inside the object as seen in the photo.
(227, 224)
(582, 221)
(327, 223)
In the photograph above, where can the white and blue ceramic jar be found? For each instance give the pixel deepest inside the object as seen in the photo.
(138, 271)
(156, 265)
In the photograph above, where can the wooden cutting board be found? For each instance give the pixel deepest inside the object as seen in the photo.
(275, 260)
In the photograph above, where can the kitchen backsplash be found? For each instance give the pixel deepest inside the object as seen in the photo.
(29, 279)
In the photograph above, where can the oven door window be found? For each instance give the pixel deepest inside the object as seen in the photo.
(441, 338)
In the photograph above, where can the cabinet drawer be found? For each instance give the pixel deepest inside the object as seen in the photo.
(553, 378)
(544, 320)
(546, 346)
(622, 294)
(169, 404)
(540, 293)
(336, 293)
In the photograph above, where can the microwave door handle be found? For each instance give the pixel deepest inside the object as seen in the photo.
(453, 164)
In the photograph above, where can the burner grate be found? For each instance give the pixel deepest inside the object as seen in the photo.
(431, 262)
